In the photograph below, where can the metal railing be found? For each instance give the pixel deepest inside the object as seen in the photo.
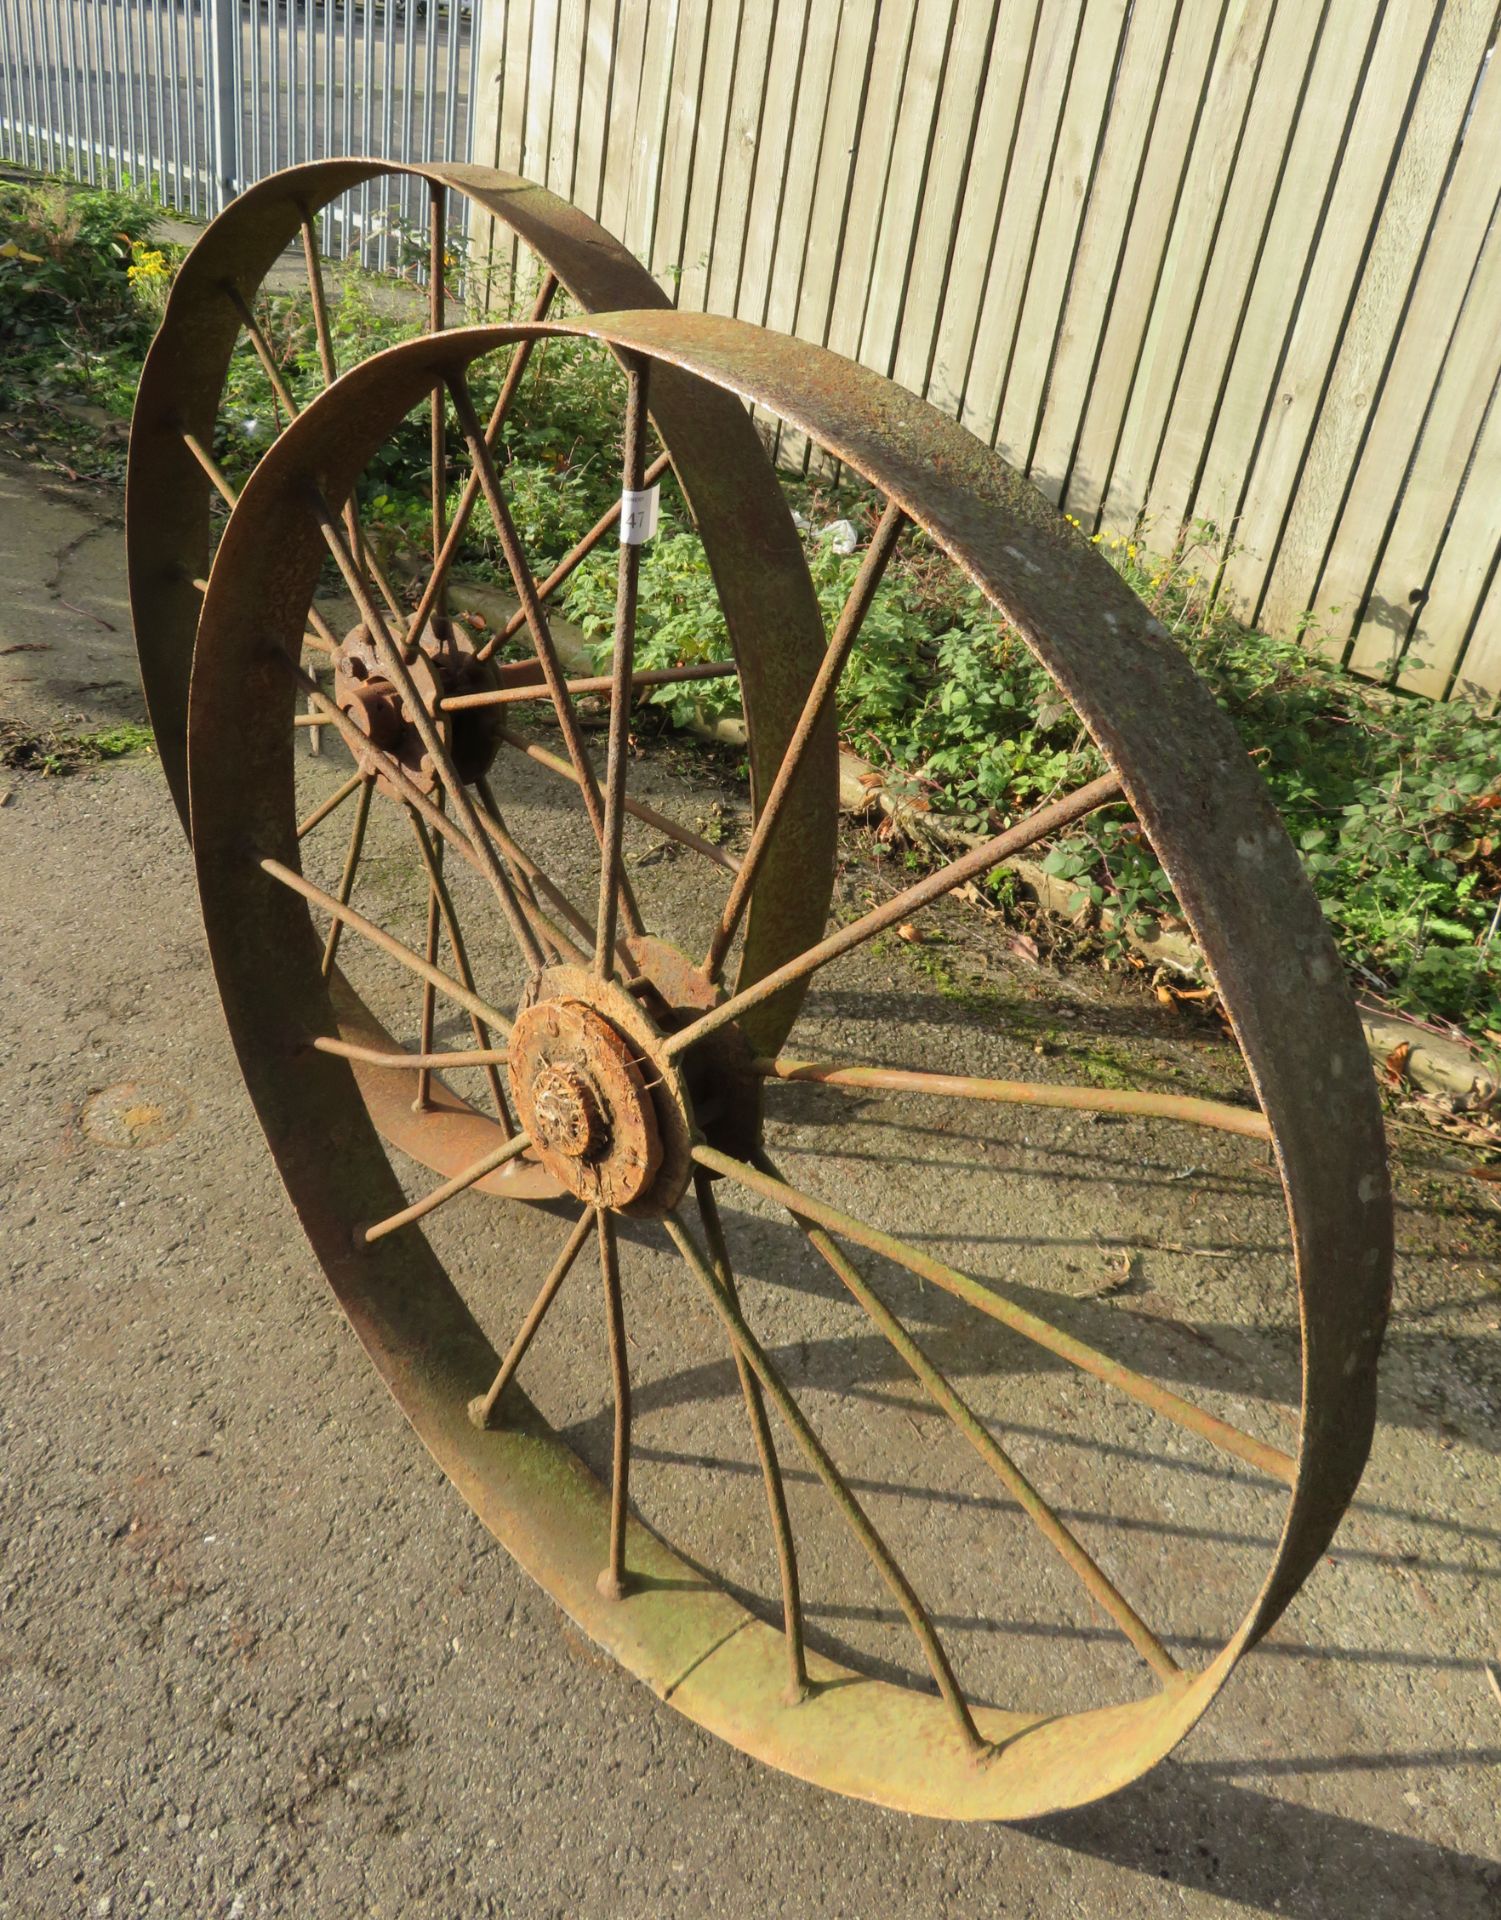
(193, 99)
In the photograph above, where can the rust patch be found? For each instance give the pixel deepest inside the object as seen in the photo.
(136, 1114)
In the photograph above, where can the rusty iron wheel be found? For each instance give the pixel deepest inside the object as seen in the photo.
(637, 1073)
(177, 493)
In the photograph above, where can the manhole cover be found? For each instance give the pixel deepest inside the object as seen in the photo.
(137, 1113)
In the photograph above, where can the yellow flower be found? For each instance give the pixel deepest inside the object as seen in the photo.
(147, 264)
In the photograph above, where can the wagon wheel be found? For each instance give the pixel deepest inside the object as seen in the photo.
(639, 1073)
(177, 491)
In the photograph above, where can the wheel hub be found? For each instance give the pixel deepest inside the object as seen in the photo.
(442, 663)
(571, 1119)
(580, 1091)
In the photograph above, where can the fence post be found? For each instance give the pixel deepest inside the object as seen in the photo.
(222, 27)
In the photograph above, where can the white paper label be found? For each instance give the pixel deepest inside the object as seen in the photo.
(638, 516)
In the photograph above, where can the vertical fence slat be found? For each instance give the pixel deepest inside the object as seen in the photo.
(706, 158)
(568, 132)
(805, 158)
(1211, 245)
(1449, 429)
(961, 303)
(542, 56)
(1229, 261)
(685, 80)
(870, 171)
(68, 91)
(916, 134)
(795, 241)
(1462, 569)
(769, 174)
(1046, 278)
(1348, 405)
(1042, 107)
(1186, 101)
(1334, 200)
(1324, 304)
(1479, 673)
(1106, 229)
(9, 74)
(51, 105)
(742, 129)
(653, 95)
(594, 104)
(619, 132)
(943, 190)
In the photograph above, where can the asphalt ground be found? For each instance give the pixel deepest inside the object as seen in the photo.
(259, 1659)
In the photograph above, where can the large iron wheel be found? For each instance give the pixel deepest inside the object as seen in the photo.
(177, 492)
(635, 1073)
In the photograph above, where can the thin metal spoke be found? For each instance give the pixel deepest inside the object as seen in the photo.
(460, 1183)
(531, 879)
(541, 633)
(378, 937)
(634, 807)
(622, 664)
(423, 1101)
(483, 1408)
(612, 1580)
(1034, 1093)
(330, 374)
(1100, 1588)
(594, 683)
(440, 902)
(335, 800)
(351, 867)
(572, 560)
(399, 1057)
(437, 248)
(321, 328)
(1050, 819)
(262, 348)
(766, 1453)
(221, 484)
(396, 778)
(1219, 1433)
(433, 592)
(818, 1458)
(428, 729)
(815, 708)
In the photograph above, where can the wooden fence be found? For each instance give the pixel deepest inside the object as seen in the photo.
(1189, 263)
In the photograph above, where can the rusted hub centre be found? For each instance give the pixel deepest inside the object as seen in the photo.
(569, 1113)
(580, 1092)
(440, 664)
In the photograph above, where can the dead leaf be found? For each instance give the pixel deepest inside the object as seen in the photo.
(1485, 1173)
(1125, 1277)
(1166, 997)
(912, 935)
(1395, 1063)
(1494, 1678)
(872, 779)
(1025, 948)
